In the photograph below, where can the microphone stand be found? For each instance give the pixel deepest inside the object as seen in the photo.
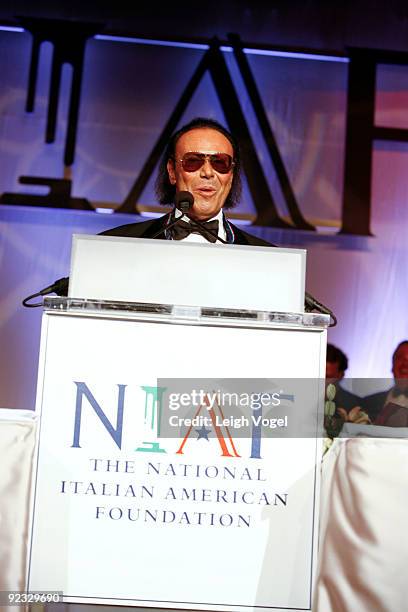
(170, 225)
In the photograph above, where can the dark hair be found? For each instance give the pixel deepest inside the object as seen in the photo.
(165, 191)
(397, 349)
(335, 355)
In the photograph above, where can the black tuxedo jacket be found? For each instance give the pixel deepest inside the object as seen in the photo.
(147, 229)
(345, 399)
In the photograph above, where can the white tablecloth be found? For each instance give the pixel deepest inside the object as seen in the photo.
(363, 558)
(17, 441)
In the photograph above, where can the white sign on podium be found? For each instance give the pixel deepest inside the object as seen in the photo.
(123, 517)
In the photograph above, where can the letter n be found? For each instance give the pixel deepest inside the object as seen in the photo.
(115, 433)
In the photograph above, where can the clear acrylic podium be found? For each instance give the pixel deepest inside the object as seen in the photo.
(195, 518)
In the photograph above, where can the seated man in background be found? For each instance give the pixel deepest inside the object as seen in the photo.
(391, 407)
(340, 405)
(336, 366)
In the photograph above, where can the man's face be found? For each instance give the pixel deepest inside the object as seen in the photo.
(400, 366)
(333, 371)
(209, 187)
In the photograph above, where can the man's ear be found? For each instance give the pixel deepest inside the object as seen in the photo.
(171, 171)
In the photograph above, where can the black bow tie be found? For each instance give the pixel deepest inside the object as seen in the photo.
(183, 229)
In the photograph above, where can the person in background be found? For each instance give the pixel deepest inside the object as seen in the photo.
(336, 366)
(390, 407)
(341, 405)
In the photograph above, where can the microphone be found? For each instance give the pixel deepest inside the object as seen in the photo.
(184, 201)
(60, 287)
(312, 304)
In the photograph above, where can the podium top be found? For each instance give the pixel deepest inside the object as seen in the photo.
(172, 313)
(175, 271)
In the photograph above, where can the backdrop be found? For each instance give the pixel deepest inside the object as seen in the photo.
(129, 91)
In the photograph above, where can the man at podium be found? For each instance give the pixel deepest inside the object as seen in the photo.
(199, 175)
(202, 163)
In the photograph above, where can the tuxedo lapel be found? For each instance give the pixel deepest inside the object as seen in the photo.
(157, 226)
(239, 236)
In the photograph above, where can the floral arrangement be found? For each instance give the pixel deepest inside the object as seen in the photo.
(336, 416)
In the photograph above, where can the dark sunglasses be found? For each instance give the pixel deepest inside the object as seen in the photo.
(221, 162)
